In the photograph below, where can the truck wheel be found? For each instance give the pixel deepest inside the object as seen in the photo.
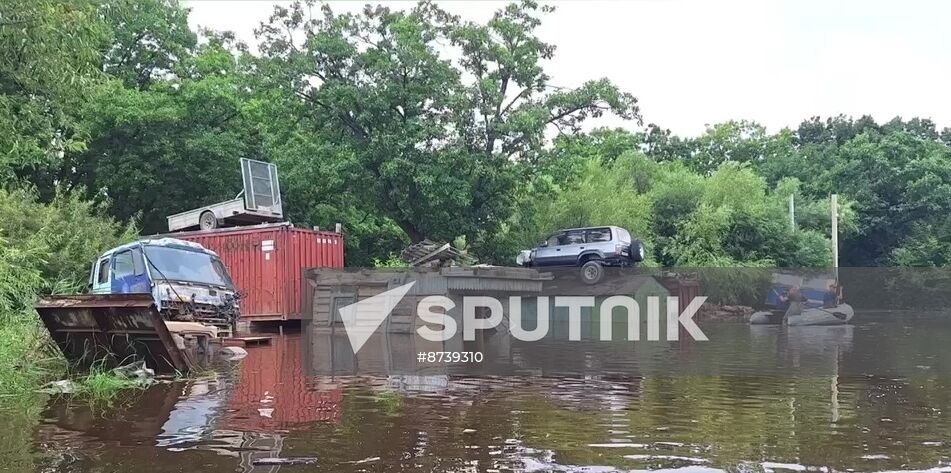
(592, 272)
(207, 221)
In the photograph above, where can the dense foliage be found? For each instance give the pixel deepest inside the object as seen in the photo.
(44, 248)
(412, 124)
(48, 247)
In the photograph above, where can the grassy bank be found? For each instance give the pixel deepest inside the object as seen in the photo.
(102, 385)
(26, 363)
(46, 246)
(27, 358)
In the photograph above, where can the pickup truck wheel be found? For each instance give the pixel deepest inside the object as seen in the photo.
(207, 221)
(592, 272)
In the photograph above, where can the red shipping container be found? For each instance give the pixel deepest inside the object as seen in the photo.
(266, 262)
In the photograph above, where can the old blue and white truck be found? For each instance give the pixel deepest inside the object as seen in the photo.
(187, 281)
(163, 300)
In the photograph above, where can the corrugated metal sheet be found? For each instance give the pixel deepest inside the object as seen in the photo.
(266, 262)
(492, 285)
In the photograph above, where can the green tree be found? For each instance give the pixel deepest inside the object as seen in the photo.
(172, 147)
(55, 243)
(150, 38)
(899, 182)
(738, 141)
(428, 142)
(161, 130)
(48, 55)
(894, 177)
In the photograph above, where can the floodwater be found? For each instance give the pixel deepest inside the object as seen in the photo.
(245, 415)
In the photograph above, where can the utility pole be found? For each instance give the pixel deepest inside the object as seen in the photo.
(835, 236)
(792, 212)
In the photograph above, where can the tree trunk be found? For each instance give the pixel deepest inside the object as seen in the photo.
(415, 236)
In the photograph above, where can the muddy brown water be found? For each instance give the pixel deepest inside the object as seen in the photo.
(264, 407)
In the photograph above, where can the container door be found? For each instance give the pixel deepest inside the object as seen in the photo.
(272, 278)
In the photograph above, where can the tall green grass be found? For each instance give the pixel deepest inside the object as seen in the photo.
(100, 384)
(45, 247)
(27, 358)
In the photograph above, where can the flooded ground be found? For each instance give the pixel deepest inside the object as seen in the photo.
(242, 417)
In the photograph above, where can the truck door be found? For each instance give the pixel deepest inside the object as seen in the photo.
(101, 283)
(128, 273)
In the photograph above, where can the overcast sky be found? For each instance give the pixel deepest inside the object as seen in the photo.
(698, 62)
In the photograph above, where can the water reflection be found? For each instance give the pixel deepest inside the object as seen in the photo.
(734, 349)
(265, 407)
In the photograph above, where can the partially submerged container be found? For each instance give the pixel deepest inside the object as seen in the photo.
(266, 262)
(114, 329)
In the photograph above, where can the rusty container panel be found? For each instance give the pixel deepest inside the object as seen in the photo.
(266, 262)
(115, 328)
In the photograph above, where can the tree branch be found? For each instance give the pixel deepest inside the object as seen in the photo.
(128, 51)
(355, 127)
(515, 99)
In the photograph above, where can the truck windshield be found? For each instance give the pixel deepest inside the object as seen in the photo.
(175, 264)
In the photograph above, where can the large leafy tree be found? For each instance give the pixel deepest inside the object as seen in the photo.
(172, 147)
(150, 38)
(163, 125)
(901, 184)
(429, 117)
(897, 175)
(48, 56)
